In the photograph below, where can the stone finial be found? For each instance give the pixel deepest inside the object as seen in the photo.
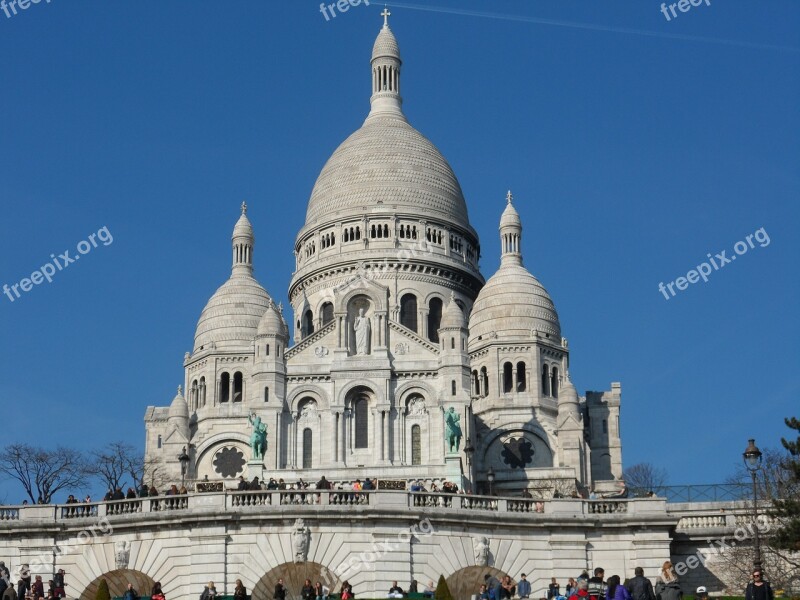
(180, 390)
(509, 196)
(244, 208)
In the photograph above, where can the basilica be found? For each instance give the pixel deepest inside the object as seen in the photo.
(396, 360)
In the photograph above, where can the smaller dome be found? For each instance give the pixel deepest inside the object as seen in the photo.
(568, 394)
(511, 305)
(386, 45)
(272, 322)
(179, 409)
(453, 316)
(243, 227)
(510, 217)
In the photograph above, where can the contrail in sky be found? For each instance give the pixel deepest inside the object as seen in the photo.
(591, 27)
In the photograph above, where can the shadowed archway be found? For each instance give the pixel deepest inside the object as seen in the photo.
(294, 574)
(118, 581)
(466, 582)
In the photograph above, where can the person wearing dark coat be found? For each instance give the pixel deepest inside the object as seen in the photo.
(240, 592)
(758, 589)
(640, 587)
(280, 591)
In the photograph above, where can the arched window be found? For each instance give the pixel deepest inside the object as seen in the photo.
(266, 394)
(159, 440)
(452, 343)
(521, 383)
(416, 445)
(434, 319)
(308, 440)
(408, 311)
(194, 395)
(453, 387)
(266, 350)
(476, 390)
(238, 386)
(224, 387)
(605, 426)
(507, 377)
(327, 313)
(545, 380)
(361, 415)
(484, 382)
(308, 322)
(554, 383)
(202, 391)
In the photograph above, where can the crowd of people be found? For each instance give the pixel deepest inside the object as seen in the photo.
(597, 587)
(584, 587)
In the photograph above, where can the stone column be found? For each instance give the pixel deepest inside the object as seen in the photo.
(336, 437)
(382, 434)
(295, 419)
(277, 441)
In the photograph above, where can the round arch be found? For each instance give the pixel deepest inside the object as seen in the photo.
(361, 286)
(402, 393)
(466, 582)
(311, 391)
(293, 575)
(118, 581)
(373, 388)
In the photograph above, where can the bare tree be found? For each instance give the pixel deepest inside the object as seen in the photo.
(644, 477)
(116, 461)
(734, 565)
(773, 480)
(43, 473)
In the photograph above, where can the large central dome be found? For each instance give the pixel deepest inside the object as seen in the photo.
(387, 162)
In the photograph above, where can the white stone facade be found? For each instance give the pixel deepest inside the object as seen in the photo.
(387, 236)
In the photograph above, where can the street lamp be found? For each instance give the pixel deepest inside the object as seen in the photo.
(752, 460)
(490, 477)
(184, 458)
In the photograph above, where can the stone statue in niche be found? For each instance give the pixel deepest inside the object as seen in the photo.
(362, 328)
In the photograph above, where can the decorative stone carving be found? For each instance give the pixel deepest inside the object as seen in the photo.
(308, 412)
(481, 547)
(401, 348)
(300, 535)
(416, 407)
(517, 453)
(122, 554)
(229, 462)
(321, 351)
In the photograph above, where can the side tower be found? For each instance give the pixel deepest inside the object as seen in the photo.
(236, 368)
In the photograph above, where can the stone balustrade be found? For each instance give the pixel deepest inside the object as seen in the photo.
(399, 501)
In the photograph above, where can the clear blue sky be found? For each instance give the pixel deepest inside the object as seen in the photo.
(634, 146)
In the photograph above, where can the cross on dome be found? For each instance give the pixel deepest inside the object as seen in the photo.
(386, 14)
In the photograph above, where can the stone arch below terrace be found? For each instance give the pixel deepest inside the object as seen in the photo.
(293, 575)
(466, 582)
(118, 581)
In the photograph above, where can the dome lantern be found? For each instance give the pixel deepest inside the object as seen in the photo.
(243, 241)
(386, 72)
(510, 234)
